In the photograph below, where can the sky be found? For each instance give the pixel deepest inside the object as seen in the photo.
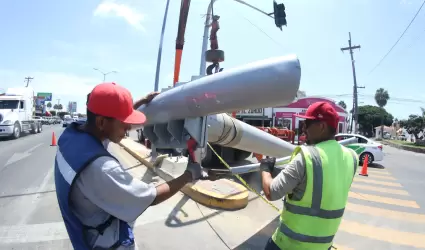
(60, 42)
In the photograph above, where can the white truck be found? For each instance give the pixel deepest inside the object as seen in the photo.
(16, 113)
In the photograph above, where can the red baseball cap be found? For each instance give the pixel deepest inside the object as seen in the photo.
(322, 111)
(115, 101)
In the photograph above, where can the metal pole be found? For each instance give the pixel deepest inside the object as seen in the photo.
(207, 28)
(158, 62)
(355, 116)
(205, 38)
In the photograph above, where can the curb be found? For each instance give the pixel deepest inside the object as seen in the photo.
(404, 147)
(203, 191)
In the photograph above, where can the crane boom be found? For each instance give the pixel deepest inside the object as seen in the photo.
(184, 13)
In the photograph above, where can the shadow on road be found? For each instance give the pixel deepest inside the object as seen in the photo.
(174, 221)
(259, 240)
(376, 165)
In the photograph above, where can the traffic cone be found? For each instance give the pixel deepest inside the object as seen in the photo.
(363, 171)
(53, 139)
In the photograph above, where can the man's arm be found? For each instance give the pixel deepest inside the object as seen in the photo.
(145, 100)
(170, 188)
(286, 181)
(105, 183)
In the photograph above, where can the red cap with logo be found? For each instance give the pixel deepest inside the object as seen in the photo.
(114, 101)
(322, 111)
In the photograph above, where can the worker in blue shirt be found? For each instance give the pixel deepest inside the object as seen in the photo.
(98, 199)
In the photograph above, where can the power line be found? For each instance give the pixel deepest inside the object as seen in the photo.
(402, 34)
(262, 31)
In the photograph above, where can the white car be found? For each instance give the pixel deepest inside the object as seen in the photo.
(363, 147)
(67, 121)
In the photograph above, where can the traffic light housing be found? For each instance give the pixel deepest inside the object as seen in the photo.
(279, 14)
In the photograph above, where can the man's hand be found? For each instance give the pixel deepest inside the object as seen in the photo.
(267, 164)
(145, 100)
(195, 170)
(150, 96)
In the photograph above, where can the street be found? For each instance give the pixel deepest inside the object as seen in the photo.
(386, 210)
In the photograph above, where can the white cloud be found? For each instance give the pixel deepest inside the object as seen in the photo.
(131, 16)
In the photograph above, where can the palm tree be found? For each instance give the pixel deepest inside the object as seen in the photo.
(342, 104)
(381, 98)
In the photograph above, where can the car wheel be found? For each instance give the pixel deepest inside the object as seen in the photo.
(16, 131)
(363, 157)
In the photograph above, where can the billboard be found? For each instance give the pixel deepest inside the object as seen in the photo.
(40, 106)
(72, 107)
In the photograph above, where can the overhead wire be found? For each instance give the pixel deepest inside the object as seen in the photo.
(398, 40)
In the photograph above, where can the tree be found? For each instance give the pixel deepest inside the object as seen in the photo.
(381, 98)
(49, 105)
(55, 106)
(60, 107)
(371, 117)
(414, 125)
(342, 104)
(53, 112)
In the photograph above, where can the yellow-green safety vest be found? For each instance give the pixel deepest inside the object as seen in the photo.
(312, 222)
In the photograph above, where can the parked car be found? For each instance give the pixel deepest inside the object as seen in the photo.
(67, 121)
(56, 120)
(44, 121)
(364, 147)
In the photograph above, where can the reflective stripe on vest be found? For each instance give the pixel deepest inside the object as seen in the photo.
(315, 209)
(65, 169)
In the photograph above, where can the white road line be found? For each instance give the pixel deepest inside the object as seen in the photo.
(36, 198)
(33, 233)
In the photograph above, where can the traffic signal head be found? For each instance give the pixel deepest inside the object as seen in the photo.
(279, 14)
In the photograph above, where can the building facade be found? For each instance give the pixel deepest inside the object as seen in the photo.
(285, 116)
(72, 107)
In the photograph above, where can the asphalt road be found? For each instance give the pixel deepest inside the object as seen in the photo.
(386, 210)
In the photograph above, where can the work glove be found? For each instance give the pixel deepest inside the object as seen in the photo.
(195, 170)
(268, 164)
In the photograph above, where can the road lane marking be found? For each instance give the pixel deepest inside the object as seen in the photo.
(381, 199)
(383, 234)
(32, 233)
(382, 177)
(384, 183)
(380, 189)
(389, 214)
(374, 171)
(18, 156)
(36, 198)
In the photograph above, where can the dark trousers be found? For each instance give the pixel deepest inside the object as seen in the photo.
(272, 246)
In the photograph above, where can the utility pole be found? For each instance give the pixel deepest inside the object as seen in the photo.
(28, 79)
(355, 115)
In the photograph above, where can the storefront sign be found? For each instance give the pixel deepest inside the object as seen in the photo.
(251, 112)
(284, 114)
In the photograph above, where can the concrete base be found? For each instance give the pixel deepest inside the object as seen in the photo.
(223, 193)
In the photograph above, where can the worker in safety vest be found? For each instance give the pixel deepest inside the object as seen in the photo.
(99, 200)
(315, 184)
